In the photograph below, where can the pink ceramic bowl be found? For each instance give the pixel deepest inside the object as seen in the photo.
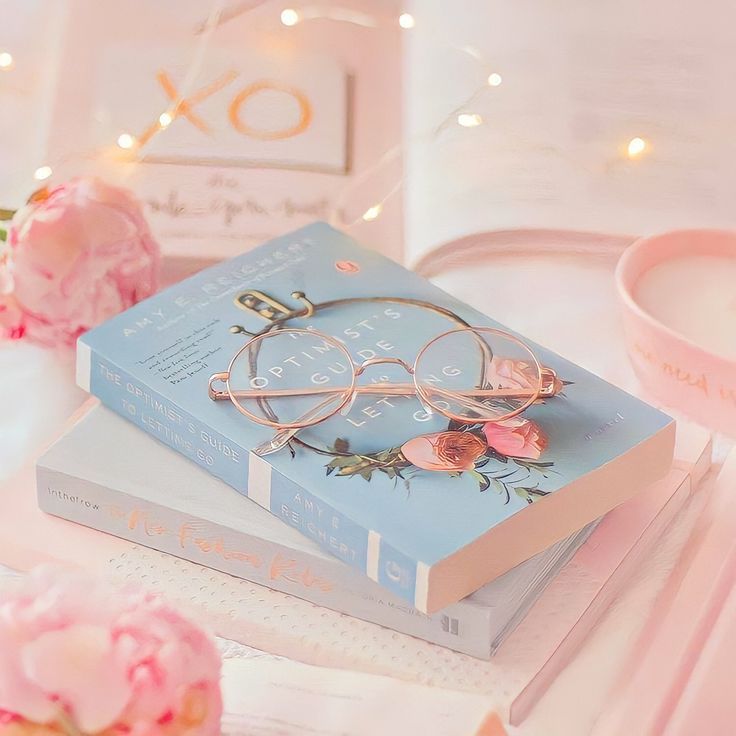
(674, 368)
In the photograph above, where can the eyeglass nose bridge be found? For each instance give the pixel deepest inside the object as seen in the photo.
(383, 361)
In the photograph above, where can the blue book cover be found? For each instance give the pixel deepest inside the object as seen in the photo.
(410, 485)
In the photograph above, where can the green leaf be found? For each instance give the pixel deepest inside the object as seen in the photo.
(3, 236)
(6, 214)
(523, 494)
(507, 475)
(530, 493)
(354, 468)
(483, 480)
(344, 461)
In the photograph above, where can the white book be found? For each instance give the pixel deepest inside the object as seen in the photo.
(106, 474)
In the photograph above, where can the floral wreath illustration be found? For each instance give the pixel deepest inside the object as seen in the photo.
(503, 455)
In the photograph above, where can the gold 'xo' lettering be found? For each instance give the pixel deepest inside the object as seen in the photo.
(237, 121)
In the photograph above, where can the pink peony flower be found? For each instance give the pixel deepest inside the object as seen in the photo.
(16, 727)
(78, 254)
(516, 437)
(444, 451)
(77, 651)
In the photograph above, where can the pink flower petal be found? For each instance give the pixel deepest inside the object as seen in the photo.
(420, 451)
(80, 666)
(17, 693)
(80, 255)
(516, 437)
(449, 451)
(112, 659)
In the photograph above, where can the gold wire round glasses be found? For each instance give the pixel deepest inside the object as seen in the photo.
(292, 378)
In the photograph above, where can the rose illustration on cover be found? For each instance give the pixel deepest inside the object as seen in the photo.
(503, 456)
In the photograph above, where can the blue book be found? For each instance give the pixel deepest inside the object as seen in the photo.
(412, 487)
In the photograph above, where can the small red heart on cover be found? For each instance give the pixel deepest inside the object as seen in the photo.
(347, 266)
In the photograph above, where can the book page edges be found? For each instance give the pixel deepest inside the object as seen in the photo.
(546, 522)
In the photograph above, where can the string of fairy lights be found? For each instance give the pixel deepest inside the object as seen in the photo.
(464, 116)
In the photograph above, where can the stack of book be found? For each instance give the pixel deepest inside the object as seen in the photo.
(393, 509)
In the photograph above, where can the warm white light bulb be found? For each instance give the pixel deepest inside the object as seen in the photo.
(289, 17)
(6, 60)
(42, 173)
(469, 119)
(636, 147)
(495, 79)
(406, 20)
(164, 119)
(126, 141)
(372, 212)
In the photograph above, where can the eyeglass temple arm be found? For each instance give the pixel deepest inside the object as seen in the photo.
(284, 436)
(550, 387)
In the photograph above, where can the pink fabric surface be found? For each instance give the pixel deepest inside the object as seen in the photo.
(611, 556)
(37, 395)
(677, 642)
(707, 704)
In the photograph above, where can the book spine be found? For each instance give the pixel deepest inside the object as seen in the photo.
(167, 422)
(464, 627)
(251, 475)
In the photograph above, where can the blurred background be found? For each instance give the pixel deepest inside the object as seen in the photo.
(408, 123)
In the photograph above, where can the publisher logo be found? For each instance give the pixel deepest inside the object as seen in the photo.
(450, 625)
(72, 498)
